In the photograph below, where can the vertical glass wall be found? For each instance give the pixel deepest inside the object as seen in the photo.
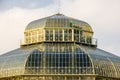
(59, 59)
(49, 35)
(33, 36)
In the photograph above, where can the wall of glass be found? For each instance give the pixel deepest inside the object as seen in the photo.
(66, 35)
(71, 60)
(61, 59)
(34, 35)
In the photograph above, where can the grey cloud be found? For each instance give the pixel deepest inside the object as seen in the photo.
(28, 4)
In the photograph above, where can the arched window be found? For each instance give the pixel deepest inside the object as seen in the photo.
(34, 59)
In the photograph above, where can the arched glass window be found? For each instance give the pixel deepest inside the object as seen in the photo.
(52, 62)
(34, 62)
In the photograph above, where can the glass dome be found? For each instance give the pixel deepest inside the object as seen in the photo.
(59, 48)
(59, 20)
(59, 28)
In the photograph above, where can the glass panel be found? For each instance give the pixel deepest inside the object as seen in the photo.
(55, 61)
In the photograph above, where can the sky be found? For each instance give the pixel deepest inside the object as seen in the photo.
(102, 15)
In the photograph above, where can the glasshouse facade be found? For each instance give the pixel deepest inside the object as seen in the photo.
(59, 48)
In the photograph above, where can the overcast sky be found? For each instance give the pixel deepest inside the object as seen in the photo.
(102, 15)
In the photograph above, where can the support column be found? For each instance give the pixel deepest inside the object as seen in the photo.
(79, 78)
(93, 78)
(79, 36)
(53, 34)
(63, 35)
(65, 78)
(72, 34)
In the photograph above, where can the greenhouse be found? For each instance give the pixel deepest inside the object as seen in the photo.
(59, 47)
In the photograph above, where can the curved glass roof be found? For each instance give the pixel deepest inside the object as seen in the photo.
(70, 58)
(13, 62)
(60, 20)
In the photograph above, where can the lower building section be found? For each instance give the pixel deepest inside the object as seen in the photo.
(56, 77)
(51, 77)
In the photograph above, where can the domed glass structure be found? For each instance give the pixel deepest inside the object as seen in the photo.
(59, 48)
